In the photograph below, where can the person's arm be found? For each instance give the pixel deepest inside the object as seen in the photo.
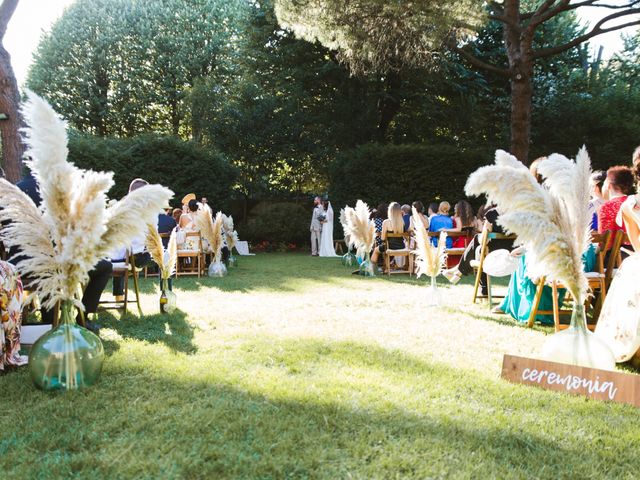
(633, 230)
(457, 226)
(385, 225)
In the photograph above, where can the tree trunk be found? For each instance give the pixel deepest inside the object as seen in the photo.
(12, 146)
(521, 95)
(389, 104)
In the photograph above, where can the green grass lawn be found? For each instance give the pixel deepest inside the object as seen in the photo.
(290, 367)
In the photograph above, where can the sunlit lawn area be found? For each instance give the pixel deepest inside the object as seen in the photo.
(290, 367)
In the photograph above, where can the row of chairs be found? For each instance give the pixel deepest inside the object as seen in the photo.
(190, 261)
(608, 249)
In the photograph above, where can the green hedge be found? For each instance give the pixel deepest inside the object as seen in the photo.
(277, 222)
(403, 173)
(184, 167)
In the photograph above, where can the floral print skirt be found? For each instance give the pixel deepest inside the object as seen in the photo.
(11, 299)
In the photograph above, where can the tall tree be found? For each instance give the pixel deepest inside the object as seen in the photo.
(12, 146)
(116, 67)
(521, 20)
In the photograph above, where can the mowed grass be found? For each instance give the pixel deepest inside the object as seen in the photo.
(290, 367)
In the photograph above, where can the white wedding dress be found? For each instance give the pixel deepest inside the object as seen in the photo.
(619, 322)
(326, 236)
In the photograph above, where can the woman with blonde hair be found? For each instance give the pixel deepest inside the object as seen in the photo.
(441, 221)
(393, 224)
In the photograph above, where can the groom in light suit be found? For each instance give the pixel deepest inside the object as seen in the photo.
(316, 226)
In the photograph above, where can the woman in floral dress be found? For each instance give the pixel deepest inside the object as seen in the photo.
(11, 297)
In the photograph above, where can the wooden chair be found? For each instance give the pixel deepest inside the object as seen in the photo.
(124, 270)
(478, 264)
(403, 253)
(191, 261)
(454, 254)
(146, 269)
(597, 286)
(614, 260)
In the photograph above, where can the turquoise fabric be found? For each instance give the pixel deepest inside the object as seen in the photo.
(522, 291)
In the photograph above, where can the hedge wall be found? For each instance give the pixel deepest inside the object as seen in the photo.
(379, 173)
(277, 222)
(184, 167)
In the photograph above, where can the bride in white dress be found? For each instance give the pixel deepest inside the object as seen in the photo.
(619, 322)
(326, 236)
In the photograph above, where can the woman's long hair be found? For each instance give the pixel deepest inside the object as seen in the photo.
(464, 212)
(395, 218)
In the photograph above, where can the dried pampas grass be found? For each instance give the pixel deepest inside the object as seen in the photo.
(430, 260)
(73, 229)
(166, 259)
(551, 221)
(359, 228)
(211, 230)
(231, 236)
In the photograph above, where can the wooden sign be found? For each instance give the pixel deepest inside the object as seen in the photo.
(590, 382)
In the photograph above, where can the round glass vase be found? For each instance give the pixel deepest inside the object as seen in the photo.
(349, 259)
(434, 298)
(168, 299)
(578, 346)
(366, 267)
(217, 269)
(69, 357)
(233, 261)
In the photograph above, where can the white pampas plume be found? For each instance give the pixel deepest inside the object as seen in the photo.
(537, 216)
(62, 241)
(211, 230)
(430, 260)
(360, 229)
(231, 236)
(165, 258)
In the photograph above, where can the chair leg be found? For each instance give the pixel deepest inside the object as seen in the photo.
(477, 285)
(126, 291)
(536, 303)
(137, 291)
(489, 292)
(556, 307)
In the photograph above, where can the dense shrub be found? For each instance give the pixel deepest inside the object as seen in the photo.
(277, 222)
(402, 173)
(184, 167)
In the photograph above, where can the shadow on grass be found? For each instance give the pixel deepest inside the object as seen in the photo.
(172, 330)
(301, 419)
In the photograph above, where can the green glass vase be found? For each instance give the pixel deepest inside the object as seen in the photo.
(366, 267)
(168, 299)
(349, 259)
(233, 261)
(69, 357)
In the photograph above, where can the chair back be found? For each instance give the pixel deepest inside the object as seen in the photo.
(195, 239)
(614, 255)
(406, 236)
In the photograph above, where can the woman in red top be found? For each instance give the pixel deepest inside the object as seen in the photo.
(463, 221)
(618, 185)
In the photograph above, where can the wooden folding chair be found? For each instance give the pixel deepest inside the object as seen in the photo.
(597, 285)
(124, 270)
(614, 260)
(454, 253)
(478, 264)
(403, 253)
(191, 261)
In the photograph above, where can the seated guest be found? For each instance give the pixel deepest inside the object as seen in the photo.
(479, 220)
(441, 221)
(463, 221)
(432, 211)
(406, 215)
(188, 219)
(464, 267)
(393, 224)
(137, 248)
(378, 220)
(597, 197)
(420, 209)
(176, 214)
(617, 186)
(166, 224)
(11, 298)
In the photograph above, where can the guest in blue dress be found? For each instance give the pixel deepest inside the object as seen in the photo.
(441, 221)
(518, 302)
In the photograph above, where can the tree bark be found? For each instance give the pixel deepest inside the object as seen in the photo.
(389, 104)
(12, 146)
(521, 95)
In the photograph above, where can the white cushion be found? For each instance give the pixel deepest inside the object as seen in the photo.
(120, 266)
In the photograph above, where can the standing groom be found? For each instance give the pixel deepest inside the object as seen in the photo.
(316, 226)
